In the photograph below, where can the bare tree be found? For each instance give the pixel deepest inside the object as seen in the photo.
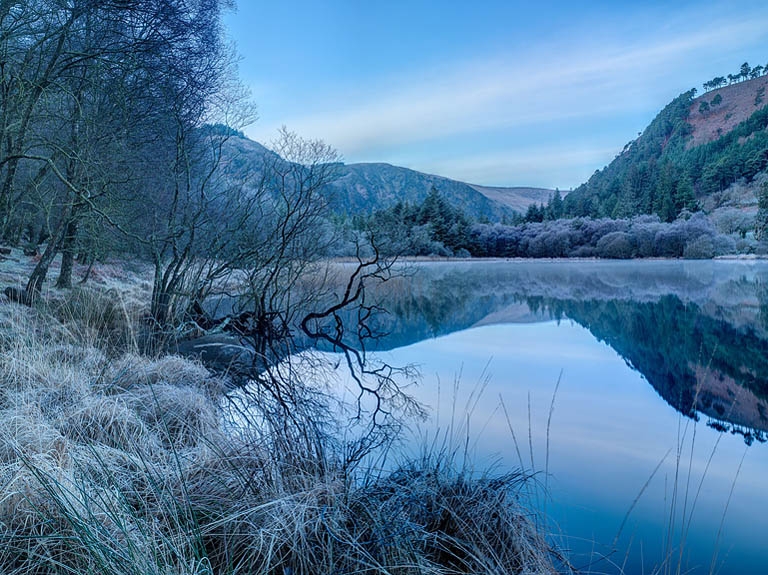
(122, 117)
(107, 79)
(257, 224)
(260, 238)
(33, 39)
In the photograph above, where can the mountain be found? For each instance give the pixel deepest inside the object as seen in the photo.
(364, 188)
(517, 198)
(367, 187)
(689, 157)
(239, 150)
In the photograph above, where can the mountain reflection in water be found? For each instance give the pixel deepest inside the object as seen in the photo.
(697, 331)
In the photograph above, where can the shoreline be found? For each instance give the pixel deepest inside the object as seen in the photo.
(454, 259)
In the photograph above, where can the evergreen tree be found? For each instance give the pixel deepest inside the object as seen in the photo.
(685, 199)
(432, 227)
(664, 204)
(436, 212)
(556, 205)
(745, 70)
(625, 206)
(535, 213)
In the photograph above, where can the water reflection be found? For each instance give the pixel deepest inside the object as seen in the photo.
(695, 330)
(634, 485)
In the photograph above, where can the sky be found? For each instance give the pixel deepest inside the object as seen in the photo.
(498, 93)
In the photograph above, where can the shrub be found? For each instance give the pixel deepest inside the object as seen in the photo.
(463, 253)
(724, 245)
(699, 249)
(670, 242)
(584, 252)
(615, 245)
(745, 245)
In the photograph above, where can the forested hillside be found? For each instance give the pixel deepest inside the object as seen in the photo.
(693, 149)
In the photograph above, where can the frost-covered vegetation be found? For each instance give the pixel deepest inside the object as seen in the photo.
(112, 461)
(638, 237)
(426, 230)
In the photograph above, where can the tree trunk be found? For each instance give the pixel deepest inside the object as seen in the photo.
(36, 279)
(5, 196)
(67, 255)
(161, 299)
(87, 274)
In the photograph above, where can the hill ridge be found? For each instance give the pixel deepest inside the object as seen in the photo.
(737, 103)
(365, 187)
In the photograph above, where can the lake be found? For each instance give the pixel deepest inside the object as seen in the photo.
(650, 452)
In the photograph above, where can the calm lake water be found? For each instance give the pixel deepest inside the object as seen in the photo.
(651, 454)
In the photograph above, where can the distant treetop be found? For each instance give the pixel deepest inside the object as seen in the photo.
(745, 73)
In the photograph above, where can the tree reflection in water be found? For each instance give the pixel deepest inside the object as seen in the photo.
(696, 331)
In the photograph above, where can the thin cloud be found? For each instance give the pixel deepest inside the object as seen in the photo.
(555, 84)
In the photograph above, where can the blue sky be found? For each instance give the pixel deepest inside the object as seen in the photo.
(495, 93)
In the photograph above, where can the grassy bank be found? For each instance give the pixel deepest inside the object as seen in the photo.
(115, 462)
